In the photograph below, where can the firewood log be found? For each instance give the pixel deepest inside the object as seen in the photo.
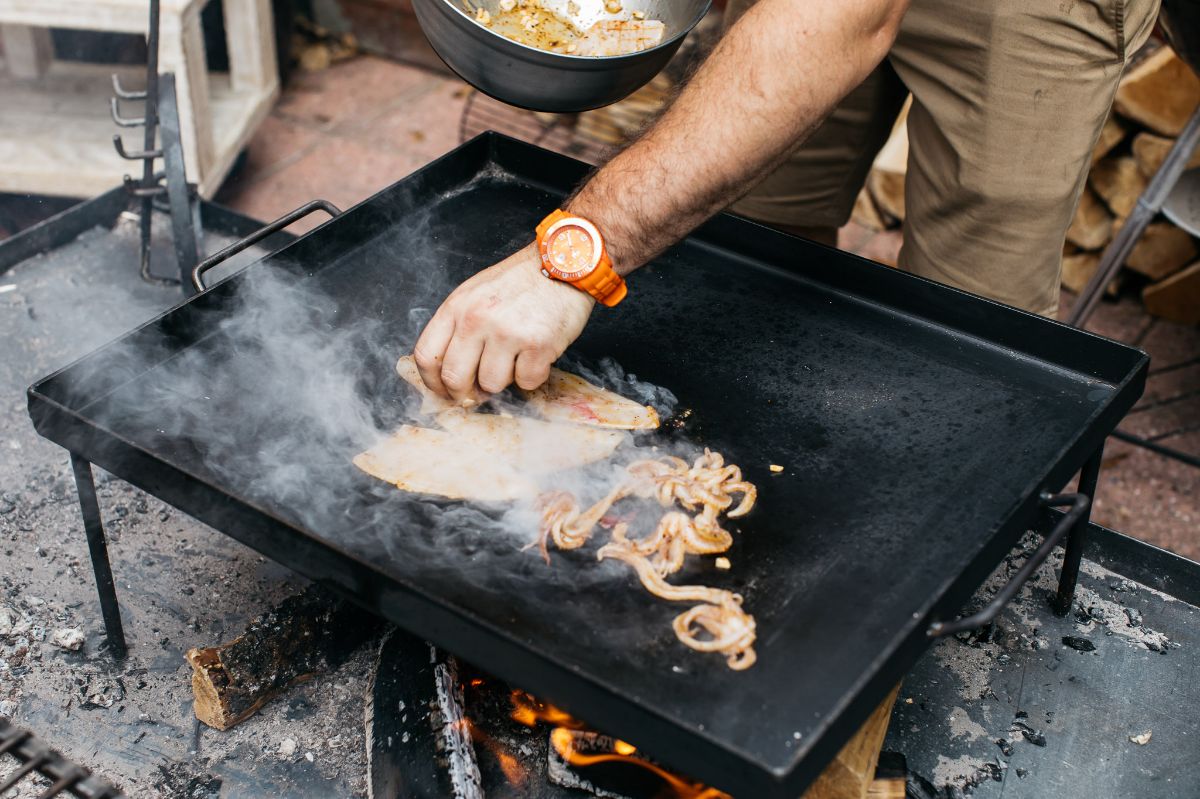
(1161, 251)
(1177, 298)
(1119, 183)
(306, 634)
(1110, 136)
(1150, 150)
(1092, 225)
(1160, 93)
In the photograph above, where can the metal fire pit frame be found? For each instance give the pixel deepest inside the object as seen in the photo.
(1080, 383)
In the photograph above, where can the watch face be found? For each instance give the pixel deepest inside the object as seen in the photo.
(571, 251)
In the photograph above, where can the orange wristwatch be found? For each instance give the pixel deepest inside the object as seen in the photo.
(573, 251)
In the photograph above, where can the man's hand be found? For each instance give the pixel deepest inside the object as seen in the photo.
(506, 324)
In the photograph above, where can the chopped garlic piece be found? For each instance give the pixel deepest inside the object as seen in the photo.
(612, 6)
(482, 16)
(508, 5)
(722, 563)
(776, 468)
(639, 14)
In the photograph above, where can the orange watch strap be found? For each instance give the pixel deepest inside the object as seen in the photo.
(603, 282)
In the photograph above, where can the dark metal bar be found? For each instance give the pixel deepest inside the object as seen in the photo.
(98, 548)
(19, 774)
(1076, 539)
(14, 741)
(267, 230)
(1080, 505)
(183, 202)
(1148, 206)
(1168, 452)
(149, 136)
(64, 783)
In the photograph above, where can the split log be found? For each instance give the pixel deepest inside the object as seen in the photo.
(1177, 298)
(850, 774)
(1092, 225)
(1119, 183)
(1160, 93)
(1110, 136)
(306, 634)
(1150, 150)
(1161, 251)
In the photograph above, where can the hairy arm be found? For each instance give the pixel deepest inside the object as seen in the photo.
(772, 79)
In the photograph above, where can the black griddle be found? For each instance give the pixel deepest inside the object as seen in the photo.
(917, 425)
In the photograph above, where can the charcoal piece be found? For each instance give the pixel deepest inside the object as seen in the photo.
(1006, 747)
(1079, 644)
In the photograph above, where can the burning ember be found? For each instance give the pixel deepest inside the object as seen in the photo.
(607, 763)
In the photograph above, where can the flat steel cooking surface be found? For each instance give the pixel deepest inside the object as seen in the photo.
(916, 425)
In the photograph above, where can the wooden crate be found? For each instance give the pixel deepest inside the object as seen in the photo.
(55, 132)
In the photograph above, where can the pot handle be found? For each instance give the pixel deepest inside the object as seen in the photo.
(258, 235)
(1079, 505)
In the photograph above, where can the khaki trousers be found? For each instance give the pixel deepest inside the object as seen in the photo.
(1009, 97)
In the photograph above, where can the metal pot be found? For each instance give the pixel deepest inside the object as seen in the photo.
(1180, 20)
(530, 78)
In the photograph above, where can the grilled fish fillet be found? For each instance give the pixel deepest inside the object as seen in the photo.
(565, 397)
(483, 457)
(533, 446)
(425, 461)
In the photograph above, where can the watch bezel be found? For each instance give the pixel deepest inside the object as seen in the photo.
(597, 247)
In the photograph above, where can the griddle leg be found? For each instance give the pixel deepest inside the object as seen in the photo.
(1076, 538)
(98, 548)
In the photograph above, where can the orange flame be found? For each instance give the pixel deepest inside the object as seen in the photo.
(530, 711)
(563, 741)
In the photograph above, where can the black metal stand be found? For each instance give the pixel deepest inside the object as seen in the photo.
(160, 119)
(1073, 554)
(98, 549)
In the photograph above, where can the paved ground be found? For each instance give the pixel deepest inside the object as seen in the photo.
(348, 131)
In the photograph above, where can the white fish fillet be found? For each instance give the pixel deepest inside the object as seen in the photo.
(431, 403)
(531, 445)
(619, 36)
(425, 461)
(565, 397)
(483, 457)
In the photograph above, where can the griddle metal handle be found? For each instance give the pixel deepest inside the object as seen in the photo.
(1079, 505)
(258, 235)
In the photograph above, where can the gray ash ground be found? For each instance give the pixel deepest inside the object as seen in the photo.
(1036, 705)
(180, 583)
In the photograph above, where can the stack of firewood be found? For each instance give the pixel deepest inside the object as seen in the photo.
(1154, 101)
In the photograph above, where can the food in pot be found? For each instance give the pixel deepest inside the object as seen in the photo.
(530, 23)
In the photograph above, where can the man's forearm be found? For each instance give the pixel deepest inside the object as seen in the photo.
(772, 79)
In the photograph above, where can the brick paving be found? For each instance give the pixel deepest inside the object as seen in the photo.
(346, 132)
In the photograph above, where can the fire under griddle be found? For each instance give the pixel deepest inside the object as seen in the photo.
(917, 426)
